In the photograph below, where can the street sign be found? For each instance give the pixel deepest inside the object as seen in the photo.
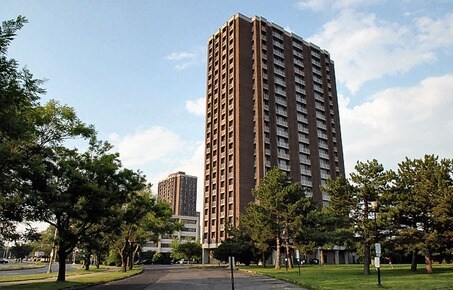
(377, 248)
(377, 262)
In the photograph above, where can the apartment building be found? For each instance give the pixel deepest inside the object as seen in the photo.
(271, 101)
(189, 232)
(180, 191)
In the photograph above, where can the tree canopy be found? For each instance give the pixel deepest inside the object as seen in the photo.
(280, 210)
(81, 193)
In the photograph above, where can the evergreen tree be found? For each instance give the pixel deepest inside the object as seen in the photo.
(421, 208)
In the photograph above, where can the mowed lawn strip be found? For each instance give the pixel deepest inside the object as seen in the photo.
(335, 277)
(73, 278)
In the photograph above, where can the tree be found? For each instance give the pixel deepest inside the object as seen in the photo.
(242, 252)
(280, 208)
(421, 207)
(175, 253)
(19, 94)
(97, 245)
(142, 218)
(190, 250)
(251, 231)
(335, 224)
(28, 133)
(45, 241)
(77, 191)
(20, 251)
(352, 203)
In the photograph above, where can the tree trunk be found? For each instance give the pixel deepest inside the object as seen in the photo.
(123, 262)
(414, 261)
(264, 259)
(62, 255)
(321, 257)
(132, 256)
(366, 260)
(288, 254)
(86, 261)
(98, 260)
(428, 261)
(130, 263)
(278, 257)
(124, 255)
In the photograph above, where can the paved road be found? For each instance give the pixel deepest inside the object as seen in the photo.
(173, 277)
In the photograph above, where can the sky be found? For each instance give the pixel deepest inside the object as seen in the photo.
(136, 70)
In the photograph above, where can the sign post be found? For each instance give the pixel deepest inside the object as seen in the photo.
(232, 262)
(298, 260)
(377, 262)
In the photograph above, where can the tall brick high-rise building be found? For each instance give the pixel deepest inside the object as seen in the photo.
(271, 101)
(180, 190)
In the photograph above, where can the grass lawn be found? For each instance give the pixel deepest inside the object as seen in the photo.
(73, 278)
(351, 277)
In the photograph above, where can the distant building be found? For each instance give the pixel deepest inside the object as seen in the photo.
(190, 232)
(271, 102)
(180, 191)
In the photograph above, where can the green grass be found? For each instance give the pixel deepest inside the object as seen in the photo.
(335, 277)
(73, 278)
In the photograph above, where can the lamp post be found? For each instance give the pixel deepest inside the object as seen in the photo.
(377, 246)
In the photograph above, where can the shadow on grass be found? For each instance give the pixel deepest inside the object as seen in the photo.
(46, 285)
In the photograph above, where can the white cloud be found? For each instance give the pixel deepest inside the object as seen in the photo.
(400, 122)
(197, 107)
(140, 148)
(185, 59)
(365, 48)
(158, 152)
(315, 5)
(318, 5)
(181, 55)
(435, 33)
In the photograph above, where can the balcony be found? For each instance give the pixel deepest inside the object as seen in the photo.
(305, 161)
(305, 172)
(303, 139)
(283, 145)
(302, 129)
(304, 150)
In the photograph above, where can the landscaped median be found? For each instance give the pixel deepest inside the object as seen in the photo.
(73, 278)
(335, 277)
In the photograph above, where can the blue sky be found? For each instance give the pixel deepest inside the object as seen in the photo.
(137, 71)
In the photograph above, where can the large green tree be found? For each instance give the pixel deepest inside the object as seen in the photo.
(190, 250)
(279, 209)
(29, 133)
(335, 224)
(421, 208)
(77, 191)
(261, 236)
(19, 94)
(352, 203)
(142, 218)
